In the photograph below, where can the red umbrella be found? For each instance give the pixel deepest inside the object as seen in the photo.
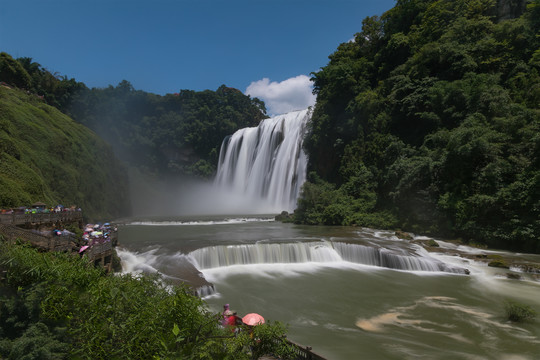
(253, 319)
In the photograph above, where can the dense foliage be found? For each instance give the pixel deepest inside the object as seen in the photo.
(175, 134)
(24, 73)
(46, 156)
(55, 306)
(157, 136)
(429, 121)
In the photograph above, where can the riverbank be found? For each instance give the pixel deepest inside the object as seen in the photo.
(516, 266)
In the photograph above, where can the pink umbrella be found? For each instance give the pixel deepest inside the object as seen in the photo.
(83, 248)
(253, 319)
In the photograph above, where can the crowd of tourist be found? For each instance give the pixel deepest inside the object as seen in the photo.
(96, 234)
(38, 209)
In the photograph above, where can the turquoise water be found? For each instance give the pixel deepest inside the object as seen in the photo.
(346, 310)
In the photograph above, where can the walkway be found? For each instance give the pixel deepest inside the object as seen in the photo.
(11, 228)
(301, 352)
(41, 218)
(49, 243)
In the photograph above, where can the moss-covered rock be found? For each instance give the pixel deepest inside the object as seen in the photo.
(498, 264)
(403, 235)
(519, 312)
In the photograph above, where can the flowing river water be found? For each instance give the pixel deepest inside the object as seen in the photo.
(349, 293)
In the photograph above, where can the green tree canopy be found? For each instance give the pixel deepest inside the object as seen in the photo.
(438, 102)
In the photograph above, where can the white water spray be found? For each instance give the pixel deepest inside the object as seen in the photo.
(315, 252)
(266, 164)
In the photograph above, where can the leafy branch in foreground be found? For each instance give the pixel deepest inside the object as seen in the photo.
(61, 300)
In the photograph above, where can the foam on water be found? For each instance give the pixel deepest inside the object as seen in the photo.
(228, 221)
(413, 318)
(134, 262)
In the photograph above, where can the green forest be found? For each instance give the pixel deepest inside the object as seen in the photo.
(63, 143)
(45, 156)
(58, 306)
(429, 121)
(176, 134)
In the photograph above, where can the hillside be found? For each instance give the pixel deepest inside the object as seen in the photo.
(158, 139)
(167, 136)
(428, 121)
(175, 135)
(47, 157)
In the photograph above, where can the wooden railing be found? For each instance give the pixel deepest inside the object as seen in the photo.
(302, 352)
(51, 243)
(97, 249)
(40, 218)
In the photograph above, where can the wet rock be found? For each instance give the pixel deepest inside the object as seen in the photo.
(190, 276)
(403, 235)
(284, 217)
(513, 276)
(498, 264)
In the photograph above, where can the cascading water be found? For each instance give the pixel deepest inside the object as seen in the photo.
(266, 163)
(319, 252)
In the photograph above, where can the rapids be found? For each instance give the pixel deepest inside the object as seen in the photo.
(347, 292)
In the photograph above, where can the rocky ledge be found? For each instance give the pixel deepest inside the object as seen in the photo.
(513, 266)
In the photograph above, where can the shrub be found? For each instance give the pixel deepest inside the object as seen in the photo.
(518, 312)
(60, 299)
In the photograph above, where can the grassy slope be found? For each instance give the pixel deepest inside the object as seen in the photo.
(46, 156)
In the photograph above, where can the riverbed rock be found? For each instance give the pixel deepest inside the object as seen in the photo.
(284, 217)
(193, 278)
(513, 276)
(403, 235)
(498, 264)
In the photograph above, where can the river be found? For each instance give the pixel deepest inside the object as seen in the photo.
(347, 292)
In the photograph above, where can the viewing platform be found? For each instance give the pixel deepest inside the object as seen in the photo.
(24, 226)
(41, 218)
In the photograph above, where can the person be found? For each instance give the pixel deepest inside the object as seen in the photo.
(232, 320)
(225, 308)
(224, 315)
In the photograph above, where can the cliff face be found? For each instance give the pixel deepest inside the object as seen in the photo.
(45, 156)
(510, 9)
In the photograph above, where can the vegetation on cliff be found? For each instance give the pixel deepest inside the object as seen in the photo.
(429, 121)
(175, 134)
(46, 156)
(157, 136)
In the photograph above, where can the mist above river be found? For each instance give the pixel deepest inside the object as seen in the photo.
(260, 171)
(184, 197)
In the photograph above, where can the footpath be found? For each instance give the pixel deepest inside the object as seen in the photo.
(47, 232)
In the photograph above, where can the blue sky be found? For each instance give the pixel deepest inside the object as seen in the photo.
(267, 46)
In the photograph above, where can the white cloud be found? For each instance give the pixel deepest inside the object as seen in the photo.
(282, 97)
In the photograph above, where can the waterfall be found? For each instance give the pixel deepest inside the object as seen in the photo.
(319, 252)
(219, 256)
(266, 163)
(387, 258)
